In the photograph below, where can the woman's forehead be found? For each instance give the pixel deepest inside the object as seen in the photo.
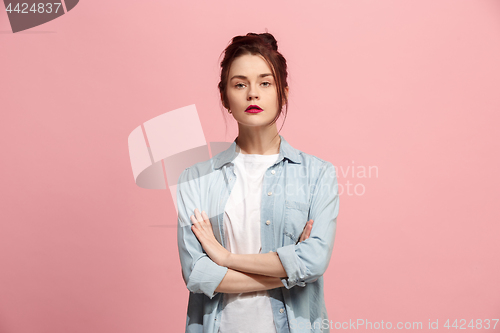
(249, 65)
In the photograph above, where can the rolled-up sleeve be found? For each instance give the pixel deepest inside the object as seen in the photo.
(306, 261)
(199, 272)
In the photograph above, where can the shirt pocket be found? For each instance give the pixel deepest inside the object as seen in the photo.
(296, 216)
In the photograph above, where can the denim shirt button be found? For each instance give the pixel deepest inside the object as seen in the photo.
(282, 310)
(269, 193)
(273, 172)
(268, 222)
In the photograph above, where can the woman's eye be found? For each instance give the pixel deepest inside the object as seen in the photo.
(241, 85)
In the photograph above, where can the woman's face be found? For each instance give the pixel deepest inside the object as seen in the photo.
(250, 82)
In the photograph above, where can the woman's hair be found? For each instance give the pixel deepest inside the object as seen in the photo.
(266, 45)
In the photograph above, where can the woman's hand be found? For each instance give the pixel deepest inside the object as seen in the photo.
(306, 232)
(202, 229)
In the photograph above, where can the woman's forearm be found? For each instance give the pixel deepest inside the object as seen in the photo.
(268, 264)
(241, 282)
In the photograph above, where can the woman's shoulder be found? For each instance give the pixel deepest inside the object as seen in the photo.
(307, 160)
(313, 161)
(199, 169)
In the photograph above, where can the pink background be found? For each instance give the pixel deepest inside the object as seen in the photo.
(410, 87)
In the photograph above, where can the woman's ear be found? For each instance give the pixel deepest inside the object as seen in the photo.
(222, 100)
(286, 93)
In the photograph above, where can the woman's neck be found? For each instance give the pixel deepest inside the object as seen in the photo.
(258, 145)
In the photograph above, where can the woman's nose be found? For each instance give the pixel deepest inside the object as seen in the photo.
(252, 93)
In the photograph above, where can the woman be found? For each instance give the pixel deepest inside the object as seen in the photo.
(250, 255)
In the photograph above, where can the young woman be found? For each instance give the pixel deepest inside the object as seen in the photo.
(251, 257)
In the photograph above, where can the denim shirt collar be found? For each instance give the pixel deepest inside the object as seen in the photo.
(286, 151)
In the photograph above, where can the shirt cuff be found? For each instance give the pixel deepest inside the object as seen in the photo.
(206, 276)
(294, 267)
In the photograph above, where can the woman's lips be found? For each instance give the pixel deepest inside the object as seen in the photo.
(253, 109)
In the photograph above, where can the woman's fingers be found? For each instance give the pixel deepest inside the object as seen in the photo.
(194, 220)
(204, 216)
(198, 215)
(307, 231)
(200, 220)
(309, 228)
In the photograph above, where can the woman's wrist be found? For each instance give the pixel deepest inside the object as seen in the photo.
(228, 262)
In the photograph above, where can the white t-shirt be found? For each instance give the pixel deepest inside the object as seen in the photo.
(246, 312)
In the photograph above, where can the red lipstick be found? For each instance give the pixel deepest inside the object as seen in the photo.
(253, 109)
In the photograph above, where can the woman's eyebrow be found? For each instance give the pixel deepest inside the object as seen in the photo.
(243, 77)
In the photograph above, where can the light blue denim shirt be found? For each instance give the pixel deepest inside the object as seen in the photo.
(298, 187)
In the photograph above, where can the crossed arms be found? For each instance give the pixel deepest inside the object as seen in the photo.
(246, 272)
(209, 268)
